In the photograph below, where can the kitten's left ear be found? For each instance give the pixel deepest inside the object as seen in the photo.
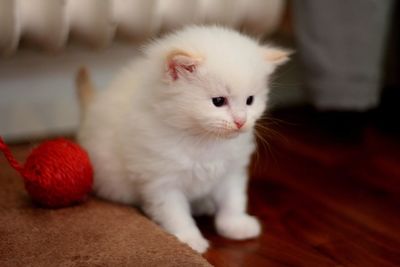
(276, 56)
(180, 64)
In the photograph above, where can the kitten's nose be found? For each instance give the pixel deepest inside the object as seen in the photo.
(239, 123)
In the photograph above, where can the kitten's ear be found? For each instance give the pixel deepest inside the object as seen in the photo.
(276, 56)
(180, 64)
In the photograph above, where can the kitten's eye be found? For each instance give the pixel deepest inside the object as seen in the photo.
(250, 100)
(219, 101)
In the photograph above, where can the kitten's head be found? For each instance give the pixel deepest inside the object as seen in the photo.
(213, 81)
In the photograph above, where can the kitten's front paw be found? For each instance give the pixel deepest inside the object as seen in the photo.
(196, 242)
(238, 227)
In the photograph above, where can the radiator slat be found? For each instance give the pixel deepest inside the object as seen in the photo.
(91, 21)
(134, 18)
(9, 27)
(44, 23)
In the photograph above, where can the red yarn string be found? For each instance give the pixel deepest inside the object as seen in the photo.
(9, 156)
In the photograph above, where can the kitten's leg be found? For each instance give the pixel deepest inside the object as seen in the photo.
(232, 220)
(171, 210)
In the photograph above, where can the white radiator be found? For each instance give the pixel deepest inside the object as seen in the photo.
(50, 24)
(36, 88)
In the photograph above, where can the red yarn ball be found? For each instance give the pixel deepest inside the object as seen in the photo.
(58, 173)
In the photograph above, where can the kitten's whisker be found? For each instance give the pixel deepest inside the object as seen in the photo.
(271, 132)
(257, 150)
(266, 118)
(262, 140)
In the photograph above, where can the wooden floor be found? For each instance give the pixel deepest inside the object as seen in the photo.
(321, 201)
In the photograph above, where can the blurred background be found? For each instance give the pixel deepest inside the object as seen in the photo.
(346, 54)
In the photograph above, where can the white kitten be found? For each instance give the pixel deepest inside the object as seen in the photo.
(174, 133)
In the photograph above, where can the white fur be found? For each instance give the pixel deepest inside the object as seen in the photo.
(161, 144)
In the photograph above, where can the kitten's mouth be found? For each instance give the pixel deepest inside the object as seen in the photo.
(232, 134)
(222, 131)
(227, 134)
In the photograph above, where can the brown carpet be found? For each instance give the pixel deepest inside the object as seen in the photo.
(96, 233)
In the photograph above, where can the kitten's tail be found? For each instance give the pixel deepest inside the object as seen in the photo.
(84, 88)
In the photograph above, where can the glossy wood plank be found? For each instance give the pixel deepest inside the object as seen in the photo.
(321, 202)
